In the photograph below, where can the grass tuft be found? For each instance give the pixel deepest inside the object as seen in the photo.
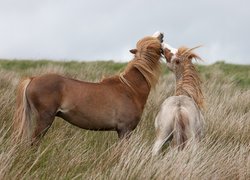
(68, 152)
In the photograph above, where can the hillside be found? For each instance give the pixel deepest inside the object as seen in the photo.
(68, 152)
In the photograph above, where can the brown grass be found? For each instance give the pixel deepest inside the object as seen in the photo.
(67, 152)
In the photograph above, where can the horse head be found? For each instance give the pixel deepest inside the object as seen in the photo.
(147, 58)
(177, 59)
(150, 45)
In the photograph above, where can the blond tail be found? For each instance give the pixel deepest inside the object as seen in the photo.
(179, 133)
(22, 116)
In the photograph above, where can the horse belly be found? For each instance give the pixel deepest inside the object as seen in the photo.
(86, 122)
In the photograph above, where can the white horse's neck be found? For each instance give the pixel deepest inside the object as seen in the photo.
(188, 83)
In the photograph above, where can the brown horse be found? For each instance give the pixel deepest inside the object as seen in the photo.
(115, 103)
(180, 117)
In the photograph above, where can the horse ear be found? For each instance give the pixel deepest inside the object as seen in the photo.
(133, 51)
(168, 55)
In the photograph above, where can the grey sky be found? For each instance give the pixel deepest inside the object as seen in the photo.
(106, 30)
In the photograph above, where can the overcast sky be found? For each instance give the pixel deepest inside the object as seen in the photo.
(105, 30)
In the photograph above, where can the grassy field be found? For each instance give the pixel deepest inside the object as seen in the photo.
(68, 152)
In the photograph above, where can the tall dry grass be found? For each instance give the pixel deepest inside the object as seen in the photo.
(68, 152)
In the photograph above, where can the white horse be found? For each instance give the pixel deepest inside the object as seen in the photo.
(180, 117)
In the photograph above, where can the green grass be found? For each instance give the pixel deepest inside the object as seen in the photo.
(68, 152)
(240, 74)
(22, 65)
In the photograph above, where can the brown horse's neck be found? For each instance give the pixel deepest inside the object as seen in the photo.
(188, 83)
(137, 81)
(138, 84)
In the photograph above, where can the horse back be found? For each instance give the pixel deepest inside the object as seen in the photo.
(183, 109)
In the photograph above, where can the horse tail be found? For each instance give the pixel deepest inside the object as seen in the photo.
(179, 133)
(22, 116)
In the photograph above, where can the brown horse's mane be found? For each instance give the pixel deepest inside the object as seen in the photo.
(190, 84)
(146, 61)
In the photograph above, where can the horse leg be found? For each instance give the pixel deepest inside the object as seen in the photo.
(160, 140)
(162, 135)
(43, 122)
